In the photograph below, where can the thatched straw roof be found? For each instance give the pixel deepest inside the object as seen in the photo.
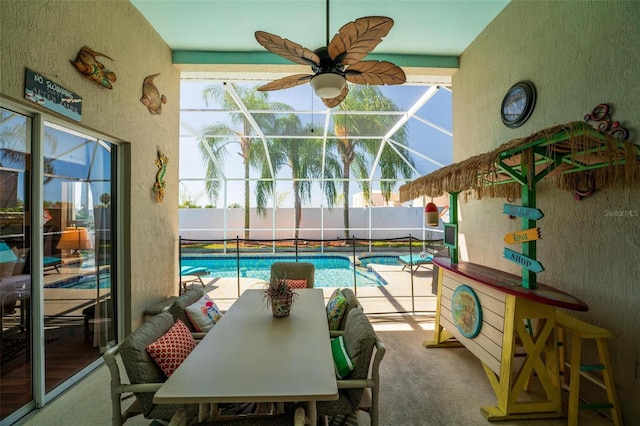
(574, 154)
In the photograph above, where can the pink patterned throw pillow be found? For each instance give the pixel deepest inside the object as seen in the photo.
(297, 283)
(172, 348)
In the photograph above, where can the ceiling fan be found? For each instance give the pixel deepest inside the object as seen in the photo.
(340, 61)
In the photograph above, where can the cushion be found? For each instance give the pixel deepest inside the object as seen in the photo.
(193, 270)
(296, 283)
(140, 367)
(341, 359)
(352, 302)
(178, 308)
(203, 314)
(172, 348)
(359, 340)
(336, 308)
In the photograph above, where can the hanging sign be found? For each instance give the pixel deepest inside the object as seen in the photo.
(531, 264)
(523, 236)
(44, 92)
(527, 212)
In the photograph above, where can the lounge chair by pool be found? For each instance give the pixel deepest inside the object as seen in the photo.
(193, 270)
(414, 262)
(191, 274)
(50, 262)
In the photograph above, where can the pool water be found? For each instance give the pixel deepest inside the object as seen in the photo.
(330, 271)
(83, 282)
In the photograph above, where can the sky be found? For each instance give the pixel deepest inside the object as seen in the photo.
(435, 143)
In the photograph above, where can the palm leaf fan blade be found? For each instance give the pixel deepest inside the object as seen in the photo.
(287, 49)
(356, 39)
(375, 72)
(286, 82)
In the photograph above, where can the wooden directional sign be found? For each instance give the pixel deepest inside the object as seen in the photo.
(523, 236)
(528, 212)
(531, 264)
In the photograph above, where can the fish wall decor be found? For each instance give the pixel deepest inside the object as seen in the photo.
(151, 97)
(93, 69)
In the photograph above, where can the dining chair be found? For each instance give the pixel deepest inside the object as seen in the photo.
(359, 390)
(145, 377)
(293, 414)
(294, 271)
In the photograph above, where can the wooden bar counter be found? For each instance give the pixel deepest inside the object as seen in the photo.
(509, 328)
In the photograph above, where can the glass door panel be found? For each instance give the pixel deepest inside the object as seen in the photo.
(77, 286)
(15, 278)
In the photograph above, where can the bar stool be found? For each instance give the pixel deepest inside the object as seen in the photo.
(578, 330)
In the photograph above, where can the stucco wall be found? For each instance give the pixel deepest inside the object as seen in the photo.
(44, 36)
(578, 54)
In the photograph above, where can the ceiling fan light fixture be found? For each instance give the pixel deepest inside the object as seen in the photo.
(328, 85)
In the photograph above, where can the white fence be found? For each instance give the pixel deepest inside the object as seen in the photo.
(316, 224)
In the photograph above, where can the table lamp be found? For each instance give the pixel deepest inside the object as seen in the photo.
(75, 239)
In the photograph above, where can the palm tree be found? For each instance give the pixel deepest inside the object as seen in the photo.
(357, 152)
(303, 158)
(14, 144)
(217, 139)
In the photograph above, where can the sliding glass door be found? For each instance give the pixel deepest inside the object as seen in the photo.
(16, 370)
(56, 257)
(76, 243)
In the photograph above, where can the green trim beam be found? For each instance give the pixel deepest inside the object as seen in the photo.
(268, 58)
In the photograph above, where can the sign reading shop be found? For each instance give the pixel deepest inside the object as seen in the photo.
(52, 96)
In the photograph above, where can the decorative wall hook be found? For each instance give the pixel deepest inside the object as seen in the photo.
(601, 120)
(579, 195)
(93, 69)
(151, 97)
(159, 186)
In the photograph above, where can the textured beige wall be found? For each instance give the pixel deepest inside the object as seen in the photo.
(44, 36)
(578, 54)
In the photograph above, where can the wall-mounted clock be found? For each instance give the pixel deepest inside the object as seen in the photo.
(518, 104)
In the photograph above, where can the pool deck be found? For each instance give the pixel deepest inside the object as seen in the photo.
(391, 298)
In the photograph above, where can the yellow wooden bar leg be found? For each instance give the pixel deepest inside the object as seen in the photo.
(574, 380)
(612, 395)
(562, 356)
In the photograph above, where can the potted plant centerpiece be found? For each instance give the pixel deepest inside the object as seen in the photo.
(279, 296)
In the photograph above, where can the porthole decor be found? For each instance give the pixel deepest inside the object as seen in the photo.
(466, 311)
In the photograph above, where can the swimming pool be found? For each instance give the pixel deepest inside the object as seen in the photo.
(331, 271)
(83, 282)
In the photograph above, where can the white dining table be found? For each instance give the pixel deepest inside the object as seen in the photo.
(251, 356)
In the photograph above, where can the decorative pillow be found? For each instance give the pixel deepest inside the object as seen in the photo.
(336, 308)
(203, 314)
(297, 283)
(341, 359)
(172, 348)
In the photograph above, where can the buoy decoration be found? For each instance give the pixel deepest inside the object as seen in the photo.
(432, 215)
